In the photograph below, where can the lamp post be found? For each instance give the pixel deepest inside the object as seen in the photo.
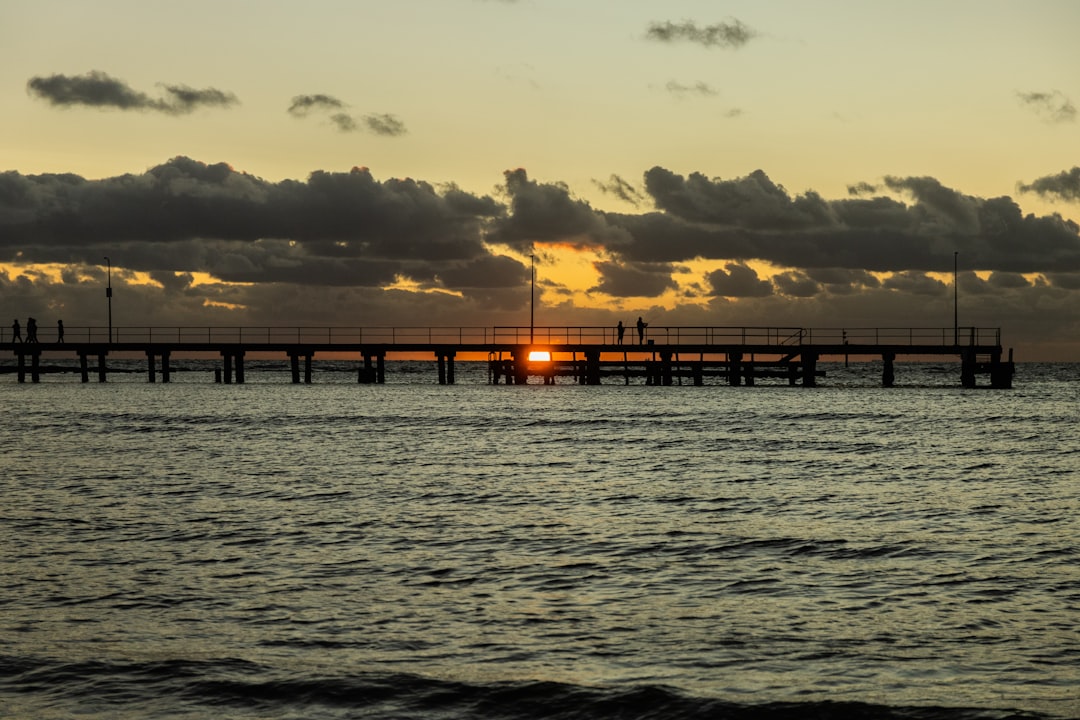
(108, 294)
(532, 295)
(955, 301)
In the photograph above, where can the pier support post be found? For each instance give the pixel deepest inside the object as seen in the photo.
(442, 367)
(307, 368)
(366, 376)
(1001, 373)
(697, 368)
(592, 367)
(748, 374)
(151, 372)
(734, 368)
(380, 368)
(294, 366)
(226, 358)
(102, 371)
(888, 374)
(967, 368)
(22, 367)
(665, 368)
(166, 371)
(450, 367)
(239, 354)
(809, 368)
(84, 369)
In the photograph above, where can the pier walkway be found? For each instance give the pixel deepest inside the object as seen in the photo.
(663, 356)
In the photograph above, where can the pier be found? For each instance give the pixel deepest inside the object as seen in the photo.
(519, 355)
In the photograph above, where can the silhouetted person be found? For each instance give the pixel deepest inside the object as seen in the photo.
(16, 332)
(59, 331)
(641, 325)
(622, 330)
(31, 330)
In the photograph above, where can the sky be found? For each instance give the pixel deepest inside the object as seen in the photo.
(409, 163)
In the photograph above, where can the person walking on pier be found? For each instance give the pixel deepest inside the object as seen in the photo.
(641, 325)
(31, 330)
(622, 330)
(59, 331)
(16, 331)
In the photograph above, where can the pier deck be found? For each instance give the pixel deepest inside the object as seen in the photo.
(741, 355)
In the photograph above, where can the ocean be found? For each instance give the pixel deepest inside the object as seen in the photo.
(411, 550)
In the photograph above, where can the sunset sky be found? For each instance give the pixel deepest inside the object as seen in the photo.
(696, 162)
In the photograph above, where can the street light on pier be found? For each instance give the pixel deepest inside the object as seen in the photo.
(108, 294)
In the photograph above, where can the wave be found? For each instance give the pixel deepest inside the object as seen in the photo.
(241, 689)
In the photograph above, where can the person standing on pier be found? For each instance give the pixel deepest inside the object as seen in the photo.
(622, 330)
(31, 330)
(59, 331)
(16, 331)
(641, 325)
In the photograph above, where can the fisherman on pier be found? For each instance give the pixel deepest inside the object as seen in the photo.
(622, 330)
(16, 331)
(641, 325)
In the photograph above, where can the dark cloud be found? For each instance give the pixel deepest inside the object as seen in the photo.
(738, 280)
(752, 218)
(547, 213)
(303, 104)
(186, 216)
(384, 124)
(1064, 186)
(639, 280)
(1051, 106)
(732, 34)
(334, 109)
(344, 122)
(98, 89)
(796, 283)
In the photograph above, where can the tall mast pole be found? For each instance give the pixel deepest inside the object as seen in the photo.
(532, 295)
(955, 301)
(108, 295)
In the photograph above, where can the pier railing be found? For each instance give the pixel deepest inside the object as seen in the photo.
(541, 335)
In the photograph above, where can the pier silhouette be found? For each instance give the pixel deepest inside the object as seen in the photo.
(587, 354)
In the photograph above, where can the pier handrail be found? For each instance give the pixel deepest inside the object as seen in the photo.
(521, 335)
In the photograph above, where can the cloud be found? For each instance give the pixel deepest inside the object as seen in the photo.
(98, 89)
(384, 124)
(627, 281)
(700, 89)
(379, 124)
(1064, 186)
(620, 188)
(302, 105)
(1051, 106)
(732, 34)
(547, 213)
(738, 280)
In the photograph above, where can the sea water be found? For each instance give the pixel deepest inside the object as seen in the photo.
(411, 550)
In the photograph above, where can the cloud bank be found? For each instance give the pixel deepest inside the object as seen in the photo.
(220, 245)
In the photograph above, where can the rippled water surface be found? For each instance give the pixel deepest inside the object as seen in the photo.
(411, 550)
